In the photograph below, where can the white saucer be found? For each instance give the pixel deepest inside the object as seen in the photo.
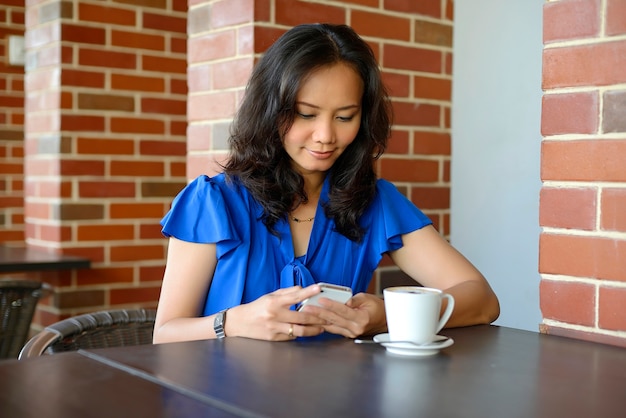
(408, 349)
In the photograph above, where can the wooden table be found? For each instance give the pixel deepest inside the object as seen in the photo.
(72, 385)
(489, 372)
(17, 259)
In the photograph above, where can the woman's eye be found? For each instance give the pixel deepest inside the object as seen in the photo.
(345, 118)
(305, 116)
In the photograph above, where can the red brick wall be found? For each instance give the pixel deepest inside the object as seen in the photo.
(11, 127)
(583, 167)
(104, 144)
(413, 43)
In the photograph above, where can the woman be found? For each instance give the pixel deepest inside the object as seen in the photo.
(298, 204)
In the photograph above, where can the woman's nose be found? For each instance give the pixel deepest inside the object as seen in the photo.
(323, 132)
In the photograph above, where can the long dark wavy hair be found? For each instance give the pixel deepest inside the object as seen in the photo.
(257, 158)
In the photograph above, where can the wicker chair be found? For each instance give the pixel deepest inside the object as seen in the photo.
(18, 300)
(113, 328)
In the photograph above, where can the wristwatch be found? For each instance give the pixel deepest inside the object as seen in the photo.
(218, 324)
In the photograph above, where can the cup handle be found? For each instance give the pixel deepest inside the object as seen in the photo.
(446, 314)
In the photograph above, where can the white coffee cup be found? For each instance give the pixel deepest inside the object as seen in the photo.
(414, 313)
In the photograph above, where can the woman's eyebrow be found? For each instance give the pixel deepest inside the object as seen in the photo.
(352, 106)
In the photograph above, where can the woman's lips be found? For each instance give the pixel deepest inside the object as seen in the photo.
(321, 155)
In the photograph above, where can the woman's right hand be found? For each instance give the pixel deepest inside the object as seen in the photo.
(270, 317)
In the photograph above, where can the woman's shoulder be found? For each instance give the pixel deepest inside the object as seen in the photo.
(203, 211)
(219, 183)
(217, 180)
(386, 189)
(390, 203)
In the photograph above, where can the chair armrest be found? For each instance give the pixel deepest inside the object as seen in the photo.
(36, 345)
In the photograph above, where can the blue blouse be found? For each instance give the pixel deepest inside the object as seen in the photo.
(252, 262)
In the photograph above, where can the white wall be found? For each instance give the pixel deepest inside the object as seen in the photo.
(496, 111)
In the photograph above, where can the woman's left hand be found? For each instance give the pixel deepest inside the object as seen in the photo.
(363, 314)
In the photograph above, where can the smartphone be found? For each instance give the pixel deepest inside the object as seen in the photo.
(331, 291)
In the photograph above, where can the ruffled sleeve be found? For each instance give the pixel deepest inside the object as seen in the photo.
(392, 215)
(202, 213)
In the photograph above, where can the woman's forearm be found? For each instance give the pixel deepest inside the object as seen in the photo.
(184, 329)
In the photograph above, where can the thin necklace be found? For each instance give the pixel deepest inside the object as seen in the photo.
(297, 220)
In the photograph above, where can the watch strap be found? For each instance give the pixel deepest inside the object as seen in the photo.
(218, 324)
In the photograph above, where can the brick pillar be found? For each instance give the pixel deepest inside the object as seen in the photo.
(104, 144)
(583, 168)
(11, 128)
(220, 60)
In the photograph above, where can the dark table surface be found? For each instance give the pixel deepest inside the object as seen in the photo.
(490, 371)
(72, 385)
(17, 259)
